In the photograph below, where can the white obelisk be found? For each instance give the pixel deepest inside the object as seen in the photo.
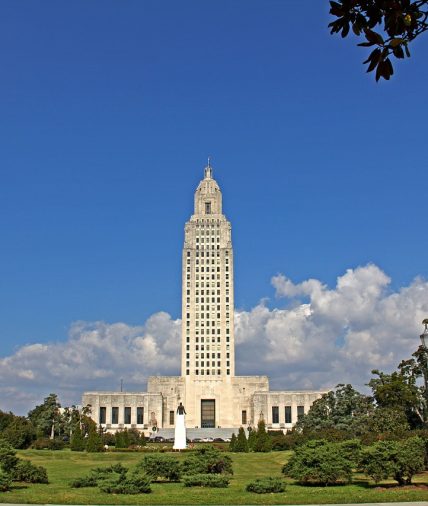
(180, 429)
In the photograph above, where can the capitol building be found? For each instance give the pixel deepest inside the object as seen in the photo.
(213, 395)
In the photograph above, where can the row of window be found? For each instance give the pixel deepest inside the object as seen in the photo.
(207, 372)
(287, 413)
(127, 415)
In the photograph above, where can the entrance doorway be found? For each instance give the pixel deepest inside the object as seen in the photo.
(207, 413)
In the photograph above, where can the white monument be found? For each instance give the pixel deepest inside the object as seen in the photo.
(180, 442)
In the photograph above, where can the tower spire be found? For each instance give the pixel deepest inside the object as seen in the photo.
(208, 170)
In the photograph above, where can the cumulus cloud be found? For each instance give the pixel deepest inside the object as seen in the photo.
(315, 337)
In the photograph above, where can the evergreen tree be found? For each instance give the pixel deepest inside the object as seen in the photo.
(232, 443)
(241, 442)
(46, 417)
(94, 442)
(262, 441)
(251, 438)
(77, 442)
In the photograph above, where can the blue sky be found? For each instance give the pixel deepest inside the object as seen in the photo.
(108, 112)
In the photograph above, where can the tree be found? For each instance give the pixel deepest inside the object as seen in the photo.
(46, 417)
(252, 436)
(94, 442)
(241, 445)
(232, 443)
(319, 462)
(344, 409)
(262, 440)
(77, 441)
(17, 430)
(398, 391)
(397, 24)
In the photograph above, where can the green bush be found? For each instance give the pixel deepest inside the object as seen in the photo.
(48, 444)
(319, 462)
(135, 483)
(94, 442)
(29, 473)
(84, 481)
(161, 466)
(266, 485)
(206, 480)
(8, 458)
(400, 460)
(207, 461)
(5, 481)
(232, 443)
(98, 474)
(19, 432)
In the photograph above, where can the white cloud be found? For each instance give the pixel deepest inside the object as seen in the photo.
(316, 338)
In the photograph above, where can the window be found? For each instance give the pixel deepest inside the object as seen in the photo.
(244, 417)
(127, 415)
(140, 415)
(102, 417)
(300, 411)
(287, 414)
(171, 417)
(275, 414)
(114, 415)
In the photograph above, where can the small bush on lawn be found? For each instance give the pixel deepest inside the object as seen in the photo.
(207, 461)
(29, 473)
(206, 480)
(319, 462)
(161, 467)
(266, 486)
(48, 444)
(5, 481)
(98, 474)
(135, 483)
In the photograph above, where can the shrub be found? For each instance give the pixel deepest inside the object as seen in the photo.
(400, 460)
(29, 473)
(5, 481)
(135, 483)
(206, 480)
(48, 444)
(207, 461)
(8, 458)
(98, 474)
(266, 485)
(84, 481)
(161, 466)
(77, 442)
(19, 433)
(319, 462)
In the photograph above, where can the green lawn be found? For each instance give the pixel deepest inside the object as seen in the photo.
(65, 465)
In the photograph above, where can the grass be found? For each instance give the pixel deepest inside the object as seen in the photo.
(63, 466)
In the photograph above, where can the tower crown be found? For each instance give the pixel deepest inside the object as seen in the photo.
(208, 199)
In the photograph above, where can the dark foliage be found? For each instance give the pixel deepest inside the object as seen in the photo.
(397, 24)
(29, 473)
(5, 481)
(266, 486)
(319, 462)
(48, 444)
(159, 466)
(206, 480)
(207, 461)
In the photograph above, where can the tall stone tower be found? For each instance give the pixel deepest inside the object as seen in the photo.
(207, 291)
(208, 345)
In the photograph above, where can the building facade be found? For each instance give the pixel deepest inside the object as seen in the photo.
(214, 397)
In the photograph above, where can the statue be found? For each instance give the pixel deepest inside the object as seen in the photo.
(180, 428)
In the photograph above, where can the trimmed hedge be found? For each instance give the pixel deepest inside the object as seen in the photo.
(266, 486)
(206, 480)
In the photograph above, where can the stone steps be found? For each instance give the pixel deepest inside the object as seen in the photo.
(223, 433)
